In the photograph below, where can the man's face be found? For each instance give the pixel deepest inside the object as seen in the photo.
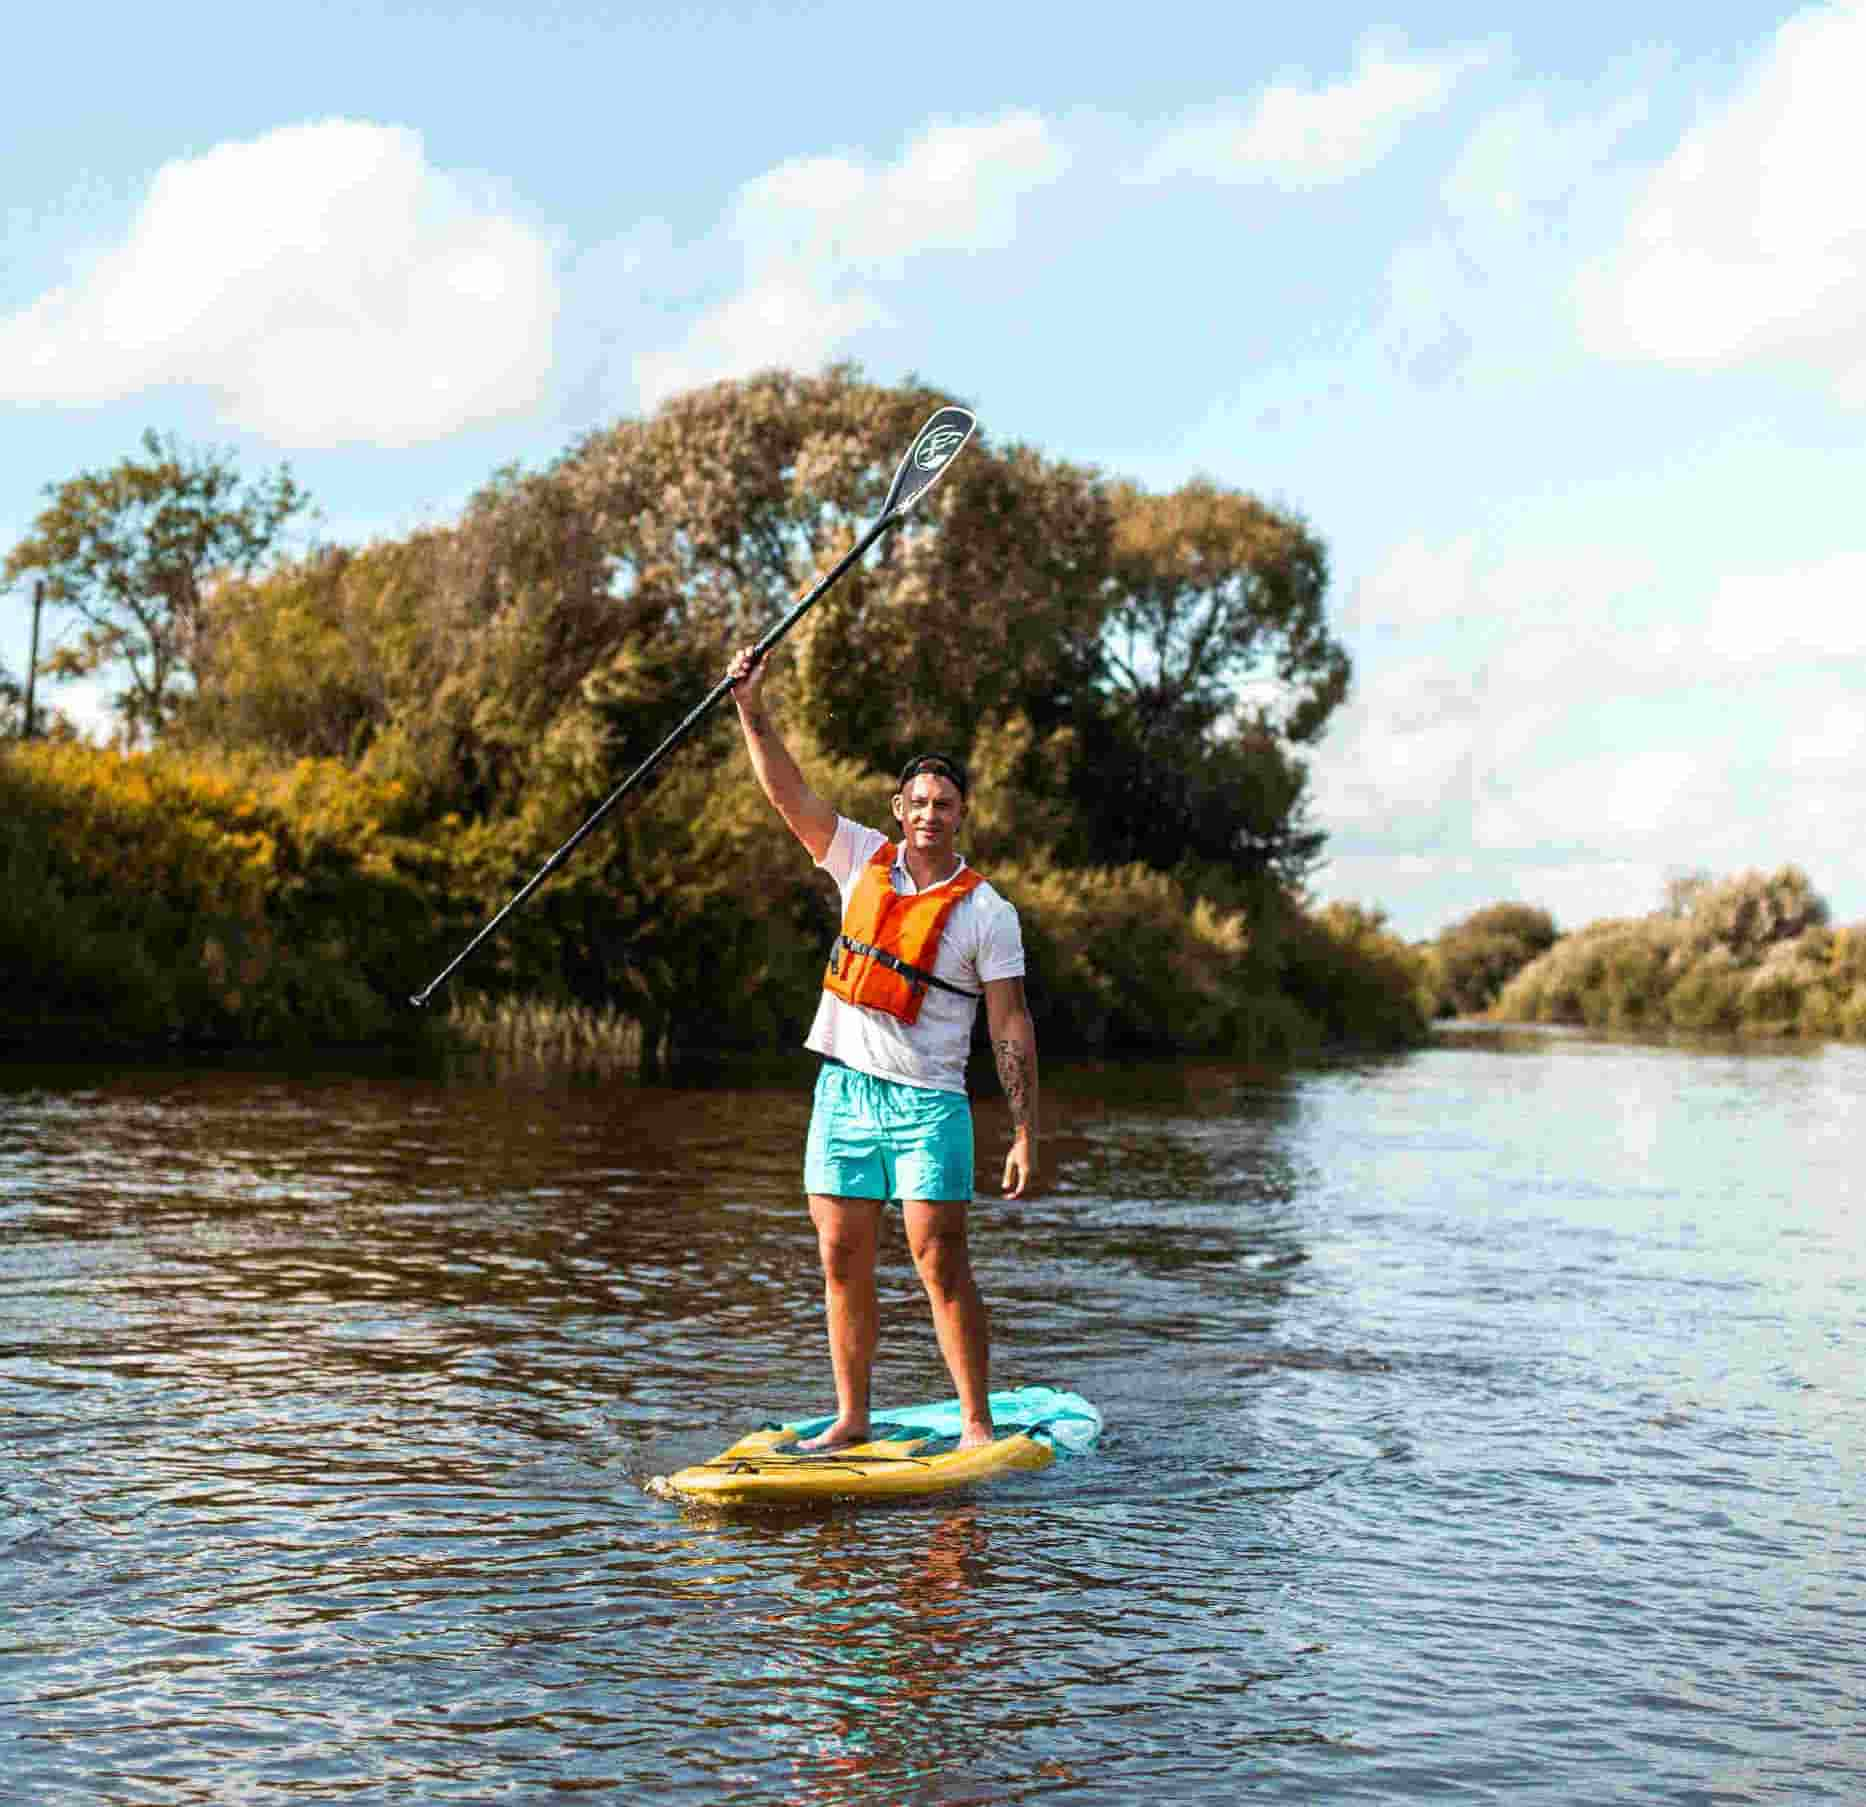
(930, 809)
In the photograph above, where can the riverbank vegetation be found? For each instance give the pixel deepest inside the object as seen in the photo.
(1469, 963)
(355, 754)
(164, 897)
(1753, 954)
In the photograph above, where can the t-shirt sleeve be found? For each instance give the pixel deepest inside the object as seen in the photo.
(850, 847)
(1000, 943)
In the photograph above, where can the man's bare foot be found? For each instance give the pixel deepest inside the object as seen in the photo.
(839, 1436)
(975, 1436)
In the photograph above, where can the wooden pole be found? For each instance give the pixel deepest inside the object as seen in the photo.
(32, 664)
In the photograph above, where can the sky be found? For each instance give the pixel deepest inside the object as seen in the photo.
(1551, 322)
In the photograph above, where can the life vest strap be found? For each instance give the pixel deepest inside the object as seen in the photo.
(914, 975)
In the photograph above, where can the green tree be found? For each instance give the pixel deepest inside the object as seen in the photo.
(1161, 660)
(1217, 602)
(1132, 677)
(1215, 666)
(1475, 958)
(1752, 911)
(314, 657)
(133, 551)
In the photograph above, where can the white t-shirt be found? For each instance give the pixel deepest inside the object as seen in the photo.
(981, 941)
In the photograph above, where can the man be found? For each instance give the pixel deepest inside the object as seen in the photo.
(923, 938)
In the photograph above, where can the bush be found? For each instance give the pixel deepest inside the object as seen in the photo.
(1126, 961)
(1708, 998)
(1474, 959)
(1358, 981)
(1750, 913)
(149, 895)
(1749, 955)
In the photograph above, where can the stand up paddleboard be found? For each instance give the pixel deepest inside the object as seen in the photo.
(910, 1450)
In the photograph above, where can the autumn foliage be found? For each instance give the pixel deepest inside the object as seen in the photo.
(157, 896)
(380, 743)
(1753, 954)
(1475, 958)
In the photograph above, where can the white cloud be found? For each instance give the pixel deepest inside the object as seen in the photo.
(820, 238)
(787, 317)
(1400, 756)
(1521, 163)
(1619, 798)
(1297, 136)
(1814, 612)
(1484, 288)
(324, 283)
(1577, 892)
(1417, 583)
(1830, 743)
(1749, 244)
(955, 188)
(1416, 882)
(1567, 725)
(1530, 709)
(1573, 594)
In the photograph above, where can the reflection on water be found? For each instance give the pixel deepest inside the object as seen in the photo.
(867, 1653)
(1486, 1422)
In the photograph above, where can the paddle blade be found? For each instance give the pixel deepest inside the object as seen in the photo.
(935, 447)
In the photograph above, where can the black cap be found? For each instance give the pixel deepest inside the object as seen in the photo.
(940, 766)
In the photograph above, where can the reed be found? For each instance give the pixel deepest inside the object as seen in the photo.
(542, 1032)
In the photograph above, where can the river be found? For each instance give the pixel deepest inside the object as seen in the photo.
(1484, 1424)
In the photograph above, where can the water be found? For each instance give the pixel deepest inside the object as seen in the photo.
(1484, 1425)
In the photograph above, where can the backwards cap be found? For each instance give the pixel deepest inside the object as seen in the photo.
(940, 766)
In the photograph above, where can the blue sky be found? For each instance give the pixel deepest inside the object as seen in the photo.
(1552, 324)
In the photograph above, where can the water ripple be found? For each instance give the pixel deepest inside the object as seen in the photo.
(1451, 1452)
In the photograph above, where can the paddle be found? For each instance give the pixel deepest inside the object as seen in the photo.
(935, 446)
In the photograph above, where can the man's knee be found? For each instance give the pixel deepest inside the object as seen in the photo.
(845, 1239)
(943, 1257)
(844, 1260)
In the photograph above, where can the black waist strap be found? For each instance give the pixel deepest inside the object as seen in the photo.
(914, 975)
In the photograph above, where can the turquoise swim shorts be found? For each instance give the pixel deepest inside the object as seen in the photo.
(876, 1138)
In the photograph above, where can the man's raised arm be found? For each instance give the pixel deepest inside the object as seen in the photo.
(807, 816)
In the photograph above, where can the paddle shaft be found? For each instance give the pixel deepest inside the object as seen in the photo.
(689, 722)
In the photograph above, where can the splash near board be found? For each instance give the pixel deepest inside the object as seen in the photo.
(910, 1450)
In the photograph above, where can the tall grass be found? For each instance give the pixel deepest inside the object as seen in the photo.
(542, 1033)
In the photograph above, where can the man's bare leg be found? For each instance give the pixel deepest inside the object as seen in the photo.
(936, 1233)
(848, 1232)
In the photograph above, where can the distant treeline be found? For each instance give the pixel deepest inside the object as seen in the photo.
(353, 755)
(1753, 954)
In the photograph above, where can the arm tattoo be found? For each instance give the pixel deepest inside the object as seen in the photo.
(1014, 1076)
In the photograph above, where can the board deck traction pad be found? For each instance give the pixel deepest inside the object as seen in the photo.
(910, 1449)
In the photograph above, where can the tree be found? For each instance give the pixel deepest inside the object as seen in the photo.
(1132, 678)
(1214, 665)
(1216, 607)
(1173, 649)
(1753, 911)
(132, 551)
(1476, 957)
(12, 705)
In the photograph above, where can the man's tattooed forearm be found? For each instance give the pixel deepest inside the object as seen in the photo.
(1014, 1076)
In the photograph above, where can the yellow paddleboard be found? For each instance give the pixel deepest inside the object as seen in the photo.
(912, 1453)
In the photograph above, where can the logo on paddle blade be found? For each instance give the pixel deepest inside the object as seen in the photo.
(938, 446)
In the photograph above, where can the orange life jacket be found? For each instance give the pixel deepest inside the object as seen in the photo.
(883, 959)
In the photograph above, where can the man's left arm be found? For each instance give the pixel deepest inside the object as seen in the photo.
(1014, 1047)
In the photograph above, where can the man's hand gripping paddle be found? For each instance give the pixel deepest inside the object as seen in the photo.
(936, 445)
